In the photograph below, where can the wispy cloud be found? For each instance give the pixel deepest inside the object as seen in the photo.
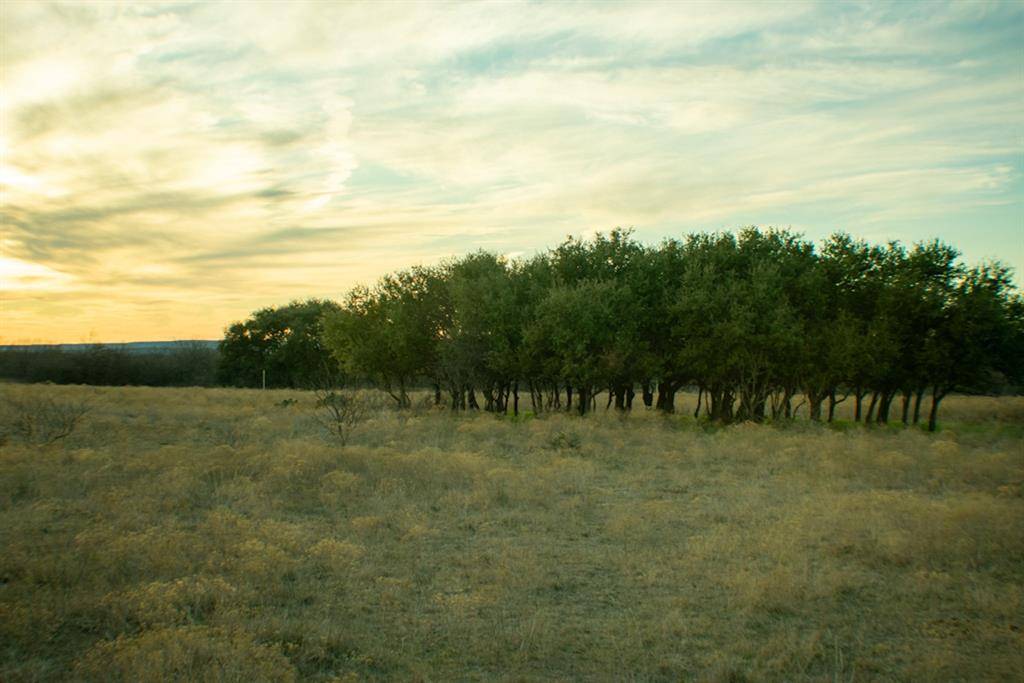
(167, 167)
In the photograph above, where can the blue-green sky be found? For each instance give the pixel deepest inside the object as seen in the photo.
(169, 167)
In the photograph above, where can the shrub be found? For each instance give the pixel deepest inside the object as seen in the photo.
(40, 419)
(185, 653)
(340, 412)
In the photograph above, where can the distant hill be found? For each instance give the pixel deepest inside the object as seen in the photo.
(129, 347)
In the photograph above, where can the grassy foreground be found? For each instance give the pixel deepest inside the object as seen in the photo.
(187, 534)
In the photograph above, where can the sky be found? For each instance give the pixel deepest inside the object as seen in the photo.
(167, 168)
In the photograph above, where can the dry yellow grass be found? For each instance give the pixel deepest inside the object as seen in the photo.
(215, 535)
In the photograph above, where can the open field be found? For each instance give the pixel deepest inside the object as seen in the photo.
(185, 534)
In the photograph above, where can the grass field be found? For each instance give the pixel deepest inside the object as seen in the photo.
(218, 535)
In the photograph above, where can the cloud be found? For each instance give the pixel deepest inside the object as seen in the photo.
(205, 159)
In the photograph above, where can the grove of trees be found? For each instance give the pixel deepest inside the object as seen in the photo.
(762, 324)
(755, 321)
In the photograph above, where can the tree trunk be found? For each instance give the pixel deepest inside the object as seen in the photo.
(568, 397)
(884, 406)
(831, 404)
(648, 394)
(620, 398)
(814, 408)
(714, 403)
(758, 412)
(871, 408)
(700, 394)
(933, 414)
(858, 397)
(906, 407)
(727, 412)
(814, 401)
(515, 398)
(630, 395)
(666, 397)
(403, 400)
(917, 404)
(583, 399)
(472, 399)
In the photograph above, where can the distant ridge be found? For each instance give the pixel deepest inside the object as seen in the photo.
(129, 347)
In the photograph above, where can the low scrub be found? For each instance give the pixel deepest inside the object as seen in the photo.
(431, 546)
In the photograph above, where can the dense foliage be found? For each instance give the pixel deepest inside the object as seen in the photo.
(278, 347)
(762, 323)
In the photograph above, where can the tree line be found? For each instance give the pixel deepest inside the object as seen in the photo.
(760, 323)
(183, 365)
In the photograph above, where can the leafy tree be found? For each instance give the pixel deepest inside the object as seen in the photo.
(284, 342)
(587, 333)
(389, 333)
(980, 338)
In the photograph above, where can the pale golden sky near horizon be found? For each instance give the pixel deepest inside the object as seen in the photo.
(166, 168)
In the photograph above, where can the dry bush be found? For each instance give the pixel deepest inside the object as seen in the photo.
(339, 412)
(185, 653)
(169, 603)
(39, 418)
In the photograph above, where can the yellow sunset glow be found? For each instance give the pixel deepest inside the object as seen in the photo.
(166, 168)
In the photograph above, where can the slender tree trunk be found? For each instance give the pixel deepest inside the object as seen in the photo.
(882, 414)
(700, 395)
(728, 414)
(831, 404)
(620, 398)
(917, 404)
(648, 394)
(472, 399)
(630, 395)
(906, 407)
(715, 403)
(568, 397)
(871, 408)
(814, 400)
(437, 394)
(885, 407)
(933, 414)
(858, 397)
(403, 400)
(582, 399)
(666, 397)
(515, 398)
(758, 412)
